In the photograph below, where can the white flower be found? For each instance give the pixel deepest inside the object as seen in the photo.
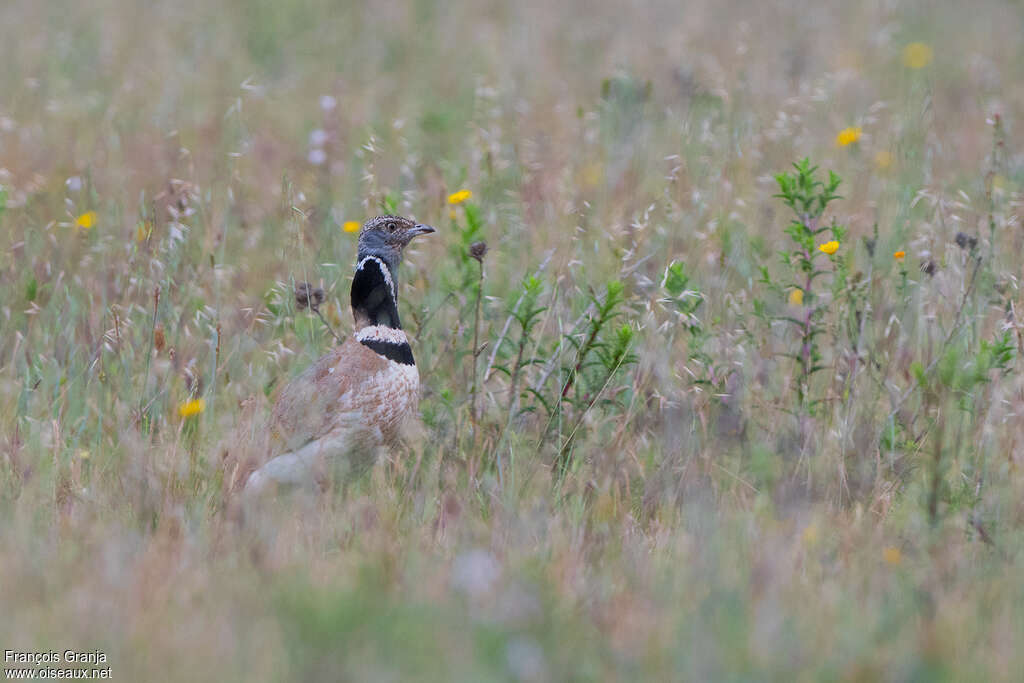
(317, 156)
(317, 137)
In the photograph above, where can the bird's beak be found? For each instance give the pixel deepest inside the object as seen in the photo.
(421, 229)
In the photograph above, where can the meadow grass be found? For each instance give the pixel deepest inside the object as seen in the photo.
(664, 435)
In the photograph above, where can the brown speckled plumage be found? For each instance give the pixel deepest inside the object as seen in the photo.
(350, 380)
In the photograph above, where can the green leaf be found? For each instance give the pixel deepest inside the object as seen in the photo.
(949, 368)
(676, 279)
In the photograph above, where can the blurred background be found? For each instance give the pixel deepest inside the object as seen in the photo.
(620, 486)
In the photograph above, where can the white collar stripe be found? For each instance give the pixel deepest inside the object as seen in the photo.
(383, 269)
(381, 333)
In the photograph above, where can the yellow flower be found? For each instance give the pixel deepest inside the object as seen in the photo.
(883, 159)
(351, 226)
(592, 174)
(796, 297)
(892, 555)
(848, 136)
(459, 197)
(83, 454)
(86, 220)
(829, 247)
(143, 231)
(192, 407)
(899, 255)
(917, 56)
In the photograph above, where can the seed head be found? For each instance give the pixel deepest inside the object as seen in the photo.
(478, 250)
(965, 241)
(159, 340)
(308, 296)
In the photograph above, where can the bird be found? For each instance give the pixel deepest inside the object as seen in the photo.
(337, 415)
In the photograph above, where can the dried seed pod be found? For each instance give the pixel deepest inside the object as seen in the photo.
(965, 241)
(478, 250)
(159, 340)
(869, 244)
(308, 296)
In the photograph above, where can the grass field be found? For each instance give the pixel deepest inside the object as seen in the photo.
(693, 440)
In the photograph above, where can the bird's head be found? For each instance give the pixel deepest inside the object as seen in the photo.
(386, 236)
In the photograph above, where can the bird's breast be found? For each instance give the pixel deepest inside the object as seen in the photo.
(389, 396)
(391, 392)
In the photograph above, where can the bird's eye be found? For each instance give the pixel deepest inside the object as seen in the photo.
(392, 226)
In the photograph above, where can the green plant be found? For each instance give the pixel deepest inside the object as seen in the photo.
(953, 403)
(467, 231)
(526, 314)
(685, 302)
(602, 353)
(808, 198)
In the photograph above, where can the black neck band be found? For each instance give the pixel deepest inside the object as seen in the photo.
(398, 352)
(373, 296)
